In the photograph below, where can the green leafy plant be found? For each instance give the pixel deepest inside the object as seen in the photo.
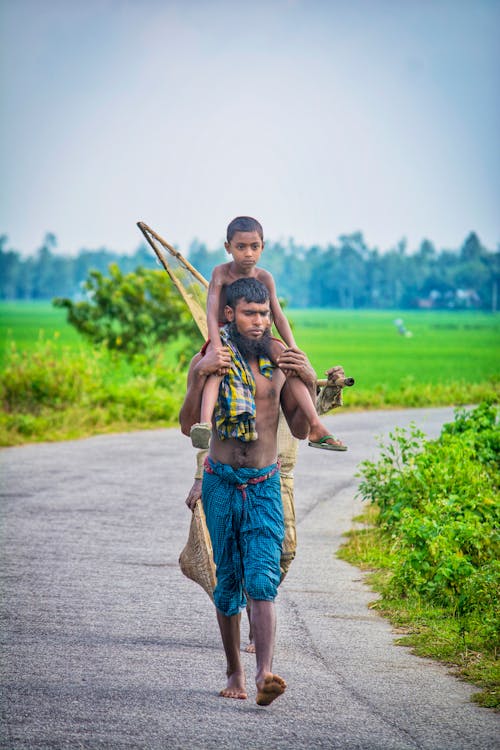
(436, 536)
(130, 313)
(54, 393)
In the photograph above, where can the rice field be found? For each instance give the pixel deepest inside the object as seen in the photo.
(445, 358)
(442, 347)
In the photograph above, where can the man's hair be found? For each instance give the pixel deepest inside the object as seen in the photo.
(244, 224)
(249, 289)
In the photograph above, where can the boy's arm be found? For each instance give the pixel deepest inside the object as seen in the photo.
(213, 305)
(279, 317)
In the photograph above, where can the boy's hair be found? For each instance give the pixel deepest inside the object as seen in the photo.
(244, 224)
(249, 289)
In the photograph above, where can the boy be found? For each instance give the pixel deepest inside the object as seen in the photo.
(245, 242)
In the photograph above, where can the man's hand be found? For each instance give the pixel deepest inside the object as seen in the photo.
(194, 494)
(334, 374)
(296, 362)
(216, 361)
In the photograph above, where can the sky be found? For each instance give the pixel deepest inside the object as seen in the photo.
(319, 118)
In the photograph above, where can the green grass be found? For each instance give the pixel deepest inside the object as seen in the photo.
(431, 632)
(429, 538)
(26, 322)
(451, 359)
(56, 386)
(445, 346)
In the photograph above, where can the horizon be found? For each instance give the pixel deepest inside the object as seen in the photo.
(142, 244)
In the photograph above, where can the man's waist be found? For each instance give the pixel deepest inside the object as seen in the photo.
(241, 473)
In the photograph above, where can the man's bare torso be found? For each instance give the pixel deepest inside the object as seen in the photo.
(262, 451)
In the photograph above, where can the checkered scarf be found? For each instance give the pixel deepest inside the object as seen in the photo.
(235, 408)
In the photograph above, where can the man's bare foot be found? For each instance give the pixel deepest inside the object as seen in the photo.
(269, 688)
(250, 647)
(236, 687)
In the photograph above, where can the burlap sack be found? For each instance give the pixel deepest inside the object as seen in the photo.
(196, 559)
(287, 452)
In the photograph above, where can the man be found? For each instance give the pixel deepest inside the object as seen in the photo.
(241, 491)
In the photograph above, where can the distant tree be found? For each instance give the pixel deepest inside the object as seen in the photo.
(44, 287)
(204, 260)
(10, 270)
(130, 313)
(471, 249)
(347, 274)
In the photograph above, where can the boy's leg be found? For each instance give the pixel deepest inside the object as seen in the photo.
(230, 634)
(209, 397)
(319, 435)
(201, 431)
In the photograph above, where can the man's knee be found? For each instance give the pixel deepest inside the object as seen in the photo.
(262, 587)
(229, 602)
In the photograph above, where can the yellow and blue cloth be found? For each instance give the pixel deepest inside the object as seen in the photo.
(235, 408)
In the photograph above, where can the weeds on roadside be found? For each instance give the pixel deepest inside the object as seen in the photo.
(432, 535)
(53, 393)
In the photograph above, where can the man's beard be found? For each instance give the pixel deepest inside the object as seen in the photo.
(251, 347)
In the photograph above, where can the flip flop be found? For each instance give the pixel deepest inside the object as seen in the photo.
(321, 443)
(200, 434)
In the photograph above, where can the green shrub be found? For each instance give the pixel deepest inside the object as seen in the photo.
(51, 394)
(439, 515)
(130, 313)
(46, 377)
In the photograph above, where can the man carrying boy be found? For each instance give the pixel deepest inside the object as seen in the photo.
(245, 244)
(241, 488)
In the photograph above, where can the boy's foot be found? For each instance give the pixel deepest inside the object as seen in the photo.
(269, 688)
(250, 648)
(328, 443)
(235, 687)
(200, 434)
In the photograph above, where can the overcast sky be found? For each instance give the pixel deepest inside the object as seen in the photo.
(319, 118)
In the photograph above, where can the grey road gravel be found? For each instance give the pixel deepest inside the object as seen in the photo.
(106, 645)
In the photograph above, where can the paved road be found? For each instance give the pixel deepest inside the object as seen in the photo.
(107, 645)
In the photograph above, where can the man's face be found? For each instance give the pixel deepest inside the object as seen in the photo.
(252, 319)
(246, 249)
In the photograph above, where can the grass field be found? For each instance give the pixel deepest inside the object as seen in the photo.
(25, 322)
(444, 346)
(450, 359)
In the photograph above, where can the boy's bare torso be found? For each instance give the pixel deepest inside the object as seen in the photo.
(226, 273)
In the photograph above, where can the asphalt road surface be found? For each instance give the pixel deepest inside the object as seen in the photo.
(107, 645)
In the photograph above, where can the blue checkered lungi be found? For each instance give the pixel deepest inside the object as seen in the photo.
(244, 516)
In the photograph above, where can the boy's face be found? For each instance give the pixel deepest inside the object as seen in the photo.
(246, 249)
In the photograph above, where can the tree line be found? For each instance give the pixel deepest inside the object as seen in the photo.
(348, 274)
